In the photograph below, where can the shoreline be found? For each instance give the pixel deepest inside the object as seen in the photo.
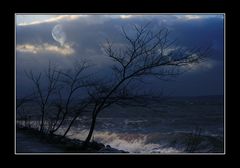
(66, 145)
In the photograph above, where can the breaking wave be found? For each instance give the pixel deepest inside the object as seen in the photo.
(150, 143)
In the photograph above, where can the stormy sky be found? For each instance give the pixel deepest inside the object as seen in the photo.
(65, 39)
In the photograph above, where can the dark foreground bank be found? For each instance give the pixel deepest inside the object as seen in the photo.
(32, 141)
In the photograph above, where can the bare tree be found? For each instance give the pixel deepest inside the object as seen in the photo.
(144, 54)
(58, 104)
(72, 81)
(81, 108)
(42, 94)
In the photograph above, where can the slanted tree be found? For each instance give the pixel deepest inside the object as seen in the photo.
(72, 80)
(145, 53)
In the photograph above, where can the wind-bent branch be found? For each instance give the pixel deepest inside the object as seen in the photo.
(145, 54)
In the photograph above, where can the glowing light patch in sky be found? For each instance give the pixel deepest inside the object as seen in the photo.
(66, 50)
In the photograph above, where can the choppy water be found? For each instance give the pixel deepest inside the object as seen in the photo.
(161, 127)
(164, 127)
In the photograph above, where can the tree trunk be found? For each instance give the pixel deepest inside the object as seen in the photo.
(90, 131)
(65, 113)
(70, 125)
(59, 125)
(42, 122)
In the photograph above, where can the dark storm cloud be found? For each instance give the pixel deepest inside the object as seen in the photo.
(85, 35)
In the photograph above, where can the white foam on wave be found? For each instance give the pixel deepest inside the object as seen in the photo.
(133, 143)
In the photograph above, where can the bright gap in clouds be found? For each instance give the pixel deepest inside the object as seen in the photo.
(24, 20)
(198, 16)
(65, 50)
(30, 19)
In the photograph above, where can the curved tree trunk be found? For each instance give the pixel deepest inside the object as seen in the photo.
(87, 140)
(42, 121)
(70, 125)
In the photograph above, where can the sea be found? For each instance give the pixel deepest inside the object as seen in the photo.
(174, 125)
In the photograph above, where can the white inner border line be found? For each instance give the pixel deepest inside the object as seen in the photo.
(15, 26)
